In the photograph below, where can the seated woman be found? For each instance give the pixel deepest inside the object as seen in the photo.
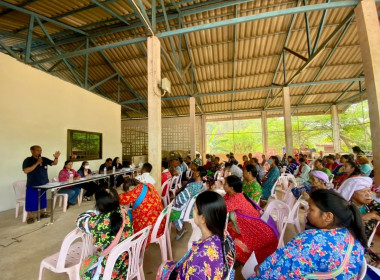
(64, 176)
(351, 169)
(118, 166)
(213, 256)
(250, 185)
(149, 205)
(318, 180)
(183, 198)
(339, 170)
(270, 179)
(104, 224)
(91, 187)
(245, 227)
(334, 250)
(365, 168)
(318, 166)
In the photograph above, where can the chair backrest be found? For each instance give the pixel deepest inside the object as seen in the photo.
(165, 213)
(135, 246)
(189, 208)
(280, 213)
(87, 246)
(372, 235)
(20, 189)
(363, 270)
(165, 189)
(289, 198)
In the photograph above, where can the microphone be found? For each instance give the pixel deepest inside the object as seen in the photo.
(41, 162)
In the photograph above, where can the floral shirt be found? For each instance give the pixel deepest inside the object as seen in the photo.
(99, 226)
(147, 212)
(312, 251)
(370, 225)
(253, 190)
(205, 260)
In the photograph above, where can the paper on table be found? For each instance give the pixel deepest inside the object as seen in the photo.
(374, 269)
(54, 184)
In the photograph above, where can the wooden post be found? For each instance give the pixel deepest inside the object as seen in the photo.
(288, 122)
(335, 128)
(154, 109)
(192, 127)
(264, 132)
(367, 23)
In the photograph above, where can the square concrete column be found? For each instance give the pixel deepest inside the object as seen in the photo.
(154, 109)
(335, 128)
(367, 23)
(264, 131)
(203, 137)
(192, 128)
(288, 122)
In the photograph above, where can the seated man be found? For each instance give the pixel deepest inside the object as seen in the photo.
(107, 164)
(234, 170)
(145, 176)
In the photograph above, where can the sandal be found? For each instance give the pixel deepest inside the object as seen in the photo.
(30, 220)
(44, 215)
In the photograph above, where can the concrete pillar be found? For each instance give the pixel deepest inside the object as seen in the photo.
(288, 121)
(192, 128)
(335, 128)
(264, 131)
(367, 23)
(154, 109)
(203, 136)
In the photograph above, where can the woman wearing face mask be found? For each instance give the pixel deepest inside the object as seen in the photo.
(213, 256)
(91, 187)
(333, 250)
(270, 179)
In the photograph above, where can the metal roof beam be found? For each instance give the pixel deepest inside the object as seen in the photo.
(141, 14)
(103, 81)
(351, 97)
(110, 11)
(234, 61)
(222, 23)
(29, 39)
(25, 11)
(320, 29)
(10, 51)
(307, 30)
(270, 92)
(300, 56)
(59, 62)
(326, 61)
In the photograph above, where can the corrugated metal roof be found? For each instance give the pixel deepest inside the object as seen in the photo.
(222, 60)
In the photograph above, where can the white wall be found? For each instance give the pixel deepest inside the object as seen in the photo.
(37, 109)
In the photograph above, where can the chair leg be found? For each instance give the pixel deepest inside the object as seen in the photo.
(74, 273)
(54, 201)
(65, 198)
(41, 274)
(24, 214)
(16, 209)
(80, 197)
(169, 245)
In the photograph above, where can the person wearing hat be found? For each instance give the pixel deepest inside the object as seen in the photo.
(318, 180)
(358, 191)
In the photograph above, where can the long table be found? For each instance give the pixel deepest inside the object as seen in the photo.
(54, 186)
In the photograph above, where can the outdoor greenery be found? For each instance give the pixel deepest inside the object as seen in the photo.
(243, 136)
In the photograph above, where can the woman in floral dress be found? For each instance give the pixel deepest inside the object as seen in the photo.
(247, 230)
(149, 209)
(250, 186)
(334, 250)
(213, 256)
(104, 224)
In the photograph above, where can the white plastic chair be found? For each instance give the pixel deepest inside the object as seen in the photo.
(280, 213)
(166, 186)
(69, 258)
(363, 270)
(80, 197)
(164, 240)
(174, 185)
(372, 235)
(294, 216)
(196, 234)
(19, 188)
(135, 246)
(63, 197)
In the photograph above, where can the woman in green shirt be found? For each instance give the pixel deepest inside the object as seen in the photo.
(318, 166)
(250, 186)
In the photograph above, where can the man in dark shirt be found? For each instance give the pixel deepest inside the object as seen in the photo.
(36, 169)
(108, 165)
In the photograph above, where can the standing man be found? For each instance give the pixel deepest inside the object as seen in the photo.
(36, 169)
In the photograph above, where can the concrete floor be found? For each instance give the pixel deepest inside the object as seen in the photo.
(23, 246)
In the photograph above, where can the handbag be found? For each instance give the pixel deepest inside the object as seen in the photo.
(95, 262)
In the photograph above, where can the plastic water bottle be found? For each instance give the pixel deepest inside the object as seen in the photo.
(113, 169)
(105, 170)
(71, 177)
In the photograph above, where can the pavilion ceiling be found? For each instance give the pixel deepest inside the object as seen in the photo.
(233, 56)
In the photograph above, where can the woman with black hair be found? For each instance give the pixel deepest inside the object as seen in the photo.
(183, 198)
(109, 224)
(270, 179)
(246, 228)
(213, 256)
(251, 187)
(334, 250)
(351, 169)
(91, 187)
